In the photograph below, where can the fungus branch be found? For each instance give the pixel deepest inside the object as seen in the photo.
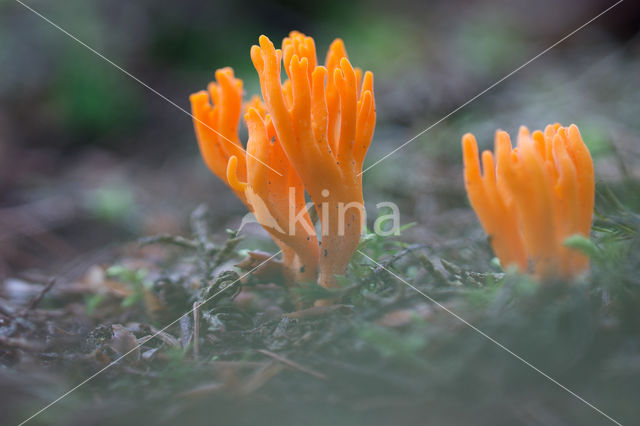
(537, 195)
(311, 134)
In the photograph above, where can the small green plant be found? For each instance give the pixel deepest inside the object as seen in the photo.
(111, 203)
(136, 279)
(377, 245)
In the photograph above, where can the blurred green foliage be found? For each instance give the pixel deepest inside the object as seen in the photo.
(111, 203)
(93, 99)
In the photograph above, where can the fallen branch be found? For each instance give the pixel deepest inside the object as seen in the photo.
(293, 364)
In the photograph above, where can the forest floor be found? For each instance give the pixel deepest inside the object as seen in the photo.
(384, 353)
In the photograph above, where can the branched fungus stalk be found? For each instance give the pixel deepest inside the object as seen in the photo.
(311, 134)
(324, 117)
(532, 197)
(262, 179)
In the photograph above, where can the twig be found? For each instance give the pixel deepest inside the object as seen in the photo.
(162, 335)
(259, 378)
(36, 300)
(196, 331)
(431, 269)
(293, 364)
(404, 252)
(202, 390)
(168, 239)
(236, 364)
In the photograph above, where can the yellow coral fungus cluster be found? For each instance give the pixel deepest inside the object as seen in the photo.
(532, 197)
(311, 134)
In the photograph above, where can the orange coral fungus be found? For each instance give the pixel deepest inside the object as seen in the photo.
(533, 197)
(311, 134)
(324, 117)
(263, 166)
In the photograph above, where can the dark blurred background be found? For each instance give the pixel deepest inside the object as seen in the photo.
(90, 158)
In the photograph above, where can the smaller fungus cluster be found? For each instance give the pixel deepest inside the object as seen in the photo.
(531, 198)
